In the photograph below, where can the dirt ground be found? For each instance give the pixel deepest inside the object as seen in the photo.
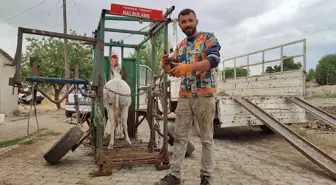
(243, 155)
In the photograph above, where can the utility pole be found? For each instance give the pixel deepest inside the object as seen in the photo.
(65, 43)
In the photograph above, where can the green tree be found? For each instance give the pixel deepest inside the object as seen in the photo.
(146, 54)
(326, 70)
(49, 54)
(240, 72)
(288, 64)
(311, 75)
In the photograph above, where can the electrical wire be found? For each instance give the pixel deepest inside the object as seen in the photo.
(41, 21)
(23, 12)
(133, 33)
(78, 12)
(49, 14)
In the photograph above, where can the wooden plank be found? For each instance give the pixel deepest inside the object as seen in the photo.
(248, 119)
(291, 82)
(231, 114)
(255, 122)
(272, 76)
(290, 91)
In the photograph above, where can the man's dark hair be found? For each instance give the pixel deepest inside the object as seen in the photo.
(186, 12)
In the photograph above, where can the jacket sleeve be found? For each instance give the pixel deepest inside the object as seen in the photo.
(212, 50)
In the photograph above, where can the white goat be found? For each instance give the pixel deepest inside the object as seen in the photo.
(117, 107)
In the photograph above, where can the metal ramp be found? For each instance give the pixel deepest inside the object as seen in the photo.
(302, 145)
(314, 110)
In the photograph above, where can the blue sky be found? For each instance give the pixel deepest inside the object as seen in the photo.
(242, 26)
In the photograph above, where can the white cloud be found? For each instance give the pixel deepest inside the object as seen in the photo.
(241, 26)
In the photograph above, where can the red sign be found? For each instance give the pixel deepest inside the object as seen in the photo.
(132, 11)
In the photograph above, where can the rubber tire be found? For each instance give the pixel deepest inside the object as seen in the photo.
(68, 114)
(63, 145)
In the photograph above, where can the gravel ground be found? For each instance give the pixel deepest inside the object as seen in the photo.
(243, 156)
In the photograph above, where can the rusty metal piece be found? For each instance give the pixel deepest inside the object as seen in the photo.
(51, 80)
(302, 145)
(154, 158)
(88, 133)
(328, 118)
(50, 99)
(16, 80)
(34, 66)
(76, 94)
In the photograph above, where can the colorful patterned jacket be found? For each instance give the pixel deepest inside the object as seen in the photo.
(201, 83)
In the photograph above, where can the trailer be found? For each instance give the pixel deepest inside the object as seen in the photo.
(270, 101)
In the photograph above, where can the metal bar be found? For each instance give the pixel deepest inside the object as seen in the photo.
(267, 49)
(123, 45)
(302, 145)
(151, 98)
(110, 49)
(76, 94)
(138, 77)
(263, 62)
(281, 58)
(55, 80)
(158, 26)
(234, 69)
(126, 31)
(304, 55)
(269, 61)
(58, 35)
(100, 91)
(223, 70)
(248, 65)
(33, 60)
(328, 118)
(274, 60)
(47, 96)
(153, 33)
(16, 80)
(304, 66)
(139, 123)
(165, 106)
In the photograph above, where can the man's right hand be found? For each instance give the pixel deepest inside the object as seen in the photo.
(164, 61)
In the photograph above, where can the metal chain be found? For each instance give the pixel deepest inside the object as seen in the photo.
(128, 95)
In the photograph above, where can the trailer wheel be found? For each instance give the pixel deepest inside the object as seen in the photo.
(63, 145)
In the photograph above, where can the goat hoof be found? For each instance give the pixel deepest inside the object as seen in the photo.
(110, 147)
(129, 143)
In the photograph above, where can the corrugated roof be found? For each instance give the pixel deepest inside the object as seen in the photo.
(6, 55)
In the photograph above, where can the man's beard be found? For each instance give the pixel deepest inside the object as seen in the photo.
(190, 32)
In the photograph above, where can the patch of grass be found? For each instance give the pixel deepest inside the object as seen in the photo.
(11, 142)
(25, 140)
(325, 95)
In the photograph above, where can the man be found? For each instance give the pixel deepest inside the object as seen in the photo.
(195, 59)
(114, 59)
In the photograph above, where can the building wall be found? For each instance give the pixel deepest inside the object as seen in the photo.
(8, 101)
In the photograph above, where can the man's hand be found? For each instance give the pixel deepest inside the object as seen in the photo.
(164, 61)
(180, 69)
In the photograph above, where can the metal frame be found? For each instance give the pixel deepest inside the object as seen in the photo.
(161, 159)
(263, 62)
(16, 80)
